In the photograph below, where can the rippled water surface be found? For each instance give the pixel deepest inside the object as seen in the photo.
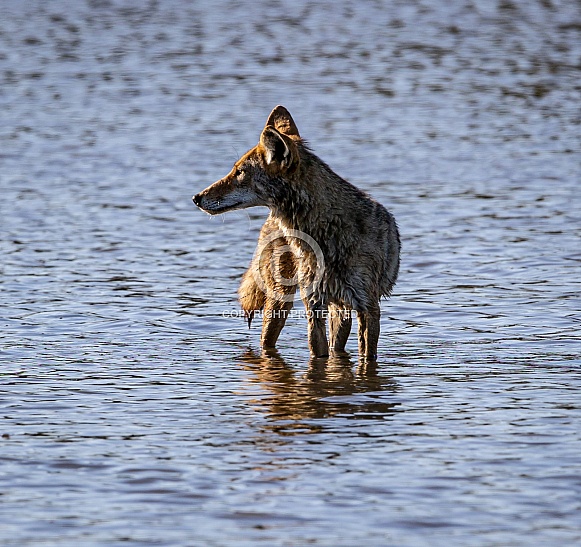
(136, 411)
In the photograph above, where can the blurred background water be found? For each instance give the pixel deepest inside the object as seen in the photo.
(136, 411)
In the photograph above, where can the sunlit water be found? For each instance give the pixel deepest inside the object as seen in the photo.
(137, 411)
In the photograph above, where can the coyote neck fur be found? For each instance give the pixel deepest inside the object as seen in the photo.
(313, 200)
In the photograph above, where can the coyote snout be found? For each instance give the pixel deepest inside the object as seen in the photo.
(232, 192)
(324, 236)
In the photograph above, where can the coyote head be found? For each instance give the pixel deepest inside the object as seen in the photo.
(256, 178)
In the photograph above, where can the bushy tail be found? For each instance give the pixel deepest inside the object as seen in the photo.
(251, 298)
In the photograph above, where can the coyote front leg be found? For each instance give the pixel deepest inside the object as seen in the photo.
(339, 327)
(368, 332)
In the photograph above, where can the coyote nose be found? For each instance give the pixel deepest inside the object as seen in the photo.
(197, 199)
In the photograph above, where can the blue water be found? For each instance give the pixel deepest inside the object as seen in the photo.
(137, 411)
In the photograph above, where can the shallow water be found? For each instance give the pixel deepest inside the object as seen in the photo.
(136, 410)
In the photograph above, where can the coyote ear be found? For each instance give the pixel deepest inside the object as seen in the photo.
(281, 120)
(279, 149)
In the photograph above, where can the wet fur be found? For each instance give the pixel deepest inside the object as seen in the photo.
(358, 238)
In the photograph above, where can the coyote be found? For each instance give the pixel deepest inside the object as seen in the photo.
(323, 235)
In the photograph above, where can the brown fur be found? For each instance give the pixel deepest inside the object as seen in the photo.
(351, 261)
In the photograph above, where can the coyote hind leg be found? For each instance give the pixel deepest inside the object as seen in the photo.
(278, 268)
(275, 316)
(316, 316)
